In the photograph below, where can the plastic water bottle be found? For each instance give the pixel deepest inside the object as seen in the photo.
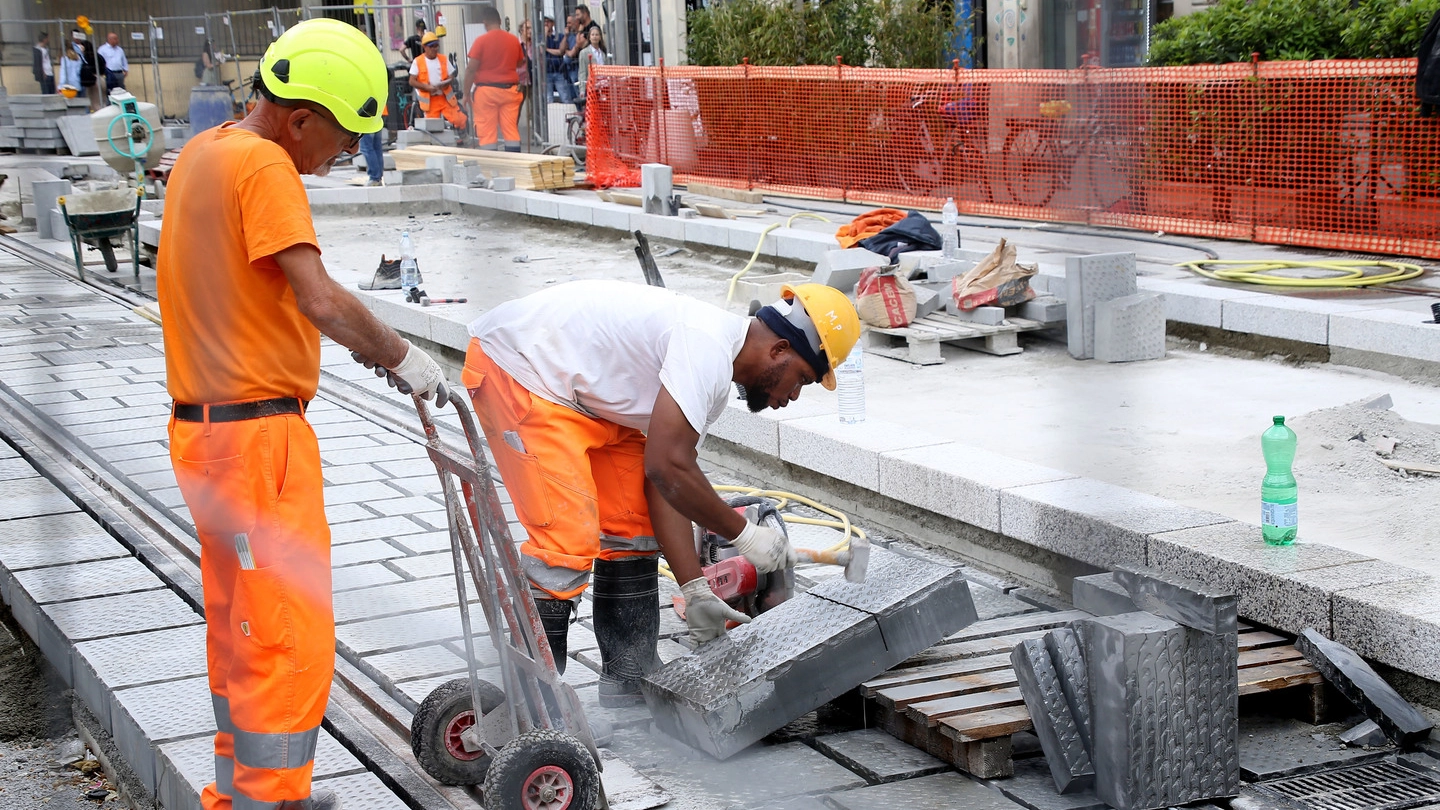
(850, 386)
(1278, 492)
(949, 230)
(409, 270)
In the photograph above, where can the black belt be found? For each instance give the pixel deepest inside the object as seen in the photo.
(495, 84)
(241, 411)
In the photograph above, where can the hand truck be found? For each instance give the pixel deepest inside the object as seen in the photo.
(529, 743)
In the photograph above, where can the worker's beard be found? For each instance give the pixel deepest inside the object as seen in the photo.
(757, 395)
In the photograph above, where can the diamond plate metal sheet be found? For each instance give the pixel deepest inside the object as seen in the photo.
(141, 658)
(361, 792)
(170, 710)
(423, 662)
(103, 354)
(31, 497)
(183, 769)
(14, 468)
(368, 575)
(893, 584)
(117, 615)
(89, 579)
(397, 632)
(402, 597)
(1272, 747)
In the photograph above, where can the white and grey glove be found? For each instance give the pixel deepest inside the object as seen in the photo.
(417, 373)
(705, 613)
(768, 549)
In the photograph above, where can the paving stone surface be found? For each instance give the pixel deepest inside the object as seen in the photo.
(941, 790)
(88, 579)
(1033, 787)
(1272, 747)
(878, 756)
(118, 615)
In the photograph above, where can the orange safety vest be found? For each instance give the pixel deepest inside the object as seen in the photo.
(423, 66)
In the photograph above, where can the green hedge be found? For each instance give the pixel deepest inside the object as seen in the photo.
(1293, 29)
(877, 33)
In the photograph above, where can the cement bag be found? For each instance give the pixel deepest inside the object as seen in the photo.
(884, 299)
(997, 281)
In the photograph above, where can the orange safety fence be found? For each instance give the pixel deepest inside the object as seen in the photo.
(1329, 154)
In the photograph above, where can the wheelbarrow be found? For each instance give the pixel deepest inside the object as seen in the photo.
(96, 217)
(527, 740)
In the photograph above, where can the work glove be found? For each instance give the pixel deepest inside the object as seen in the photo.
(417, 373)
(767, 548)
(705, 613)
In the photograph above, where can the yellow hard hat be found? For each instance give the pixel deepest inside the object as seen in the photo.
(429, 38)
(69, 91)
(836, 322)
(332, 64)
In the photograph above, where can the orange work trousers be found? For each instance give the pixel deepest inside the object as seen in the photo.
(254, 493)
(497, 108)
(577, 482)
(441, 106)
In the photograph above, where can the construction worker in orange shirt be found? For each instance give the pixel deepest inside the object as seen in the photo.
(595, 396)
(493, 70)
(432, 76)
(244, 299)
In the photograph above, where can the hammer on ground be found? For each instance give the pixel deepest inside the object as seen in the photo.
(856, 559)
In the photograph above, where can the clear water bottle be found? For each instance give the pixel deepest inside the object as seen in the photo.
(950, 230)
(409, 270)
(1278, 492)
(850, 386)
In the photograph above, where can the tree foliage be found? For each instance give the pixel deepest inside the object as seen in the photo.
(877, 33)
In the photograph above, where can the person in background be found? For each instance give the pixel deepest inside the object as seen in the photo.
(432, 78)
(208, 68)
(592, 55)
(557, 81)
(494, 71)
(114, 63)
(88, 85)
(526, 33)
(585, 24)
(573, 43)
(414, 47)
(43, 71)
(70, 65)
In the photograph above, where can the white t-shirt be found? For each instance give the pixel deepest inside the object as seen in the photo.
(605, 348)
(432, 67)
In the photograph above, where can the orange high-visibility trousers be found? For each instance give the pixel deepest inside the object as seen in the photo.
(270, 638)
(497, 108)
(577, 482)
(442, 106)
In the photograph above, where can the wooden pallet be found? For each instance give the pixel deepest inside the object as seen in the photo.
(959, 700)
(919, 343)
(529, 171)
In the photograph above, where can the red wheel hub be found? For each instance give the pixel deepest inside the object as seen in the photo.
(454, 746)
(548, 787)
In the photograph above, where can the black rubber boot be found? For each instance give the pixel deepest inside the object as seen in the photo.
(319, 800)
(627, 626)
(555, 617)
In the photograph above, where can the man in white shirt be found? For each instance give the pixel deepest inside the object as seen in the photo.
(113, 62)
(43, 71)
(594, 397)
(432, 77)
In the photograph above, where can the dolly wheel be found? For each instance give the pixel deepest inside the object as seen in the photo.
(543, 770)
(436, 729)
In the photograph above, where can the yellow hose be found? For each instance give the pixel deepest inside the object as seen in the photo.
(842, 521)
(1259, 272)
(730, 292)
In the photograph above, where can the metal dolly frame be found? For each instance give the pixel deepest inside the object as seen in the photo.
(540, 715)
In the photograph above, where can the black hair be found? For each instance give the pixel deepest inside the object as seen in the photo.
(489, 15)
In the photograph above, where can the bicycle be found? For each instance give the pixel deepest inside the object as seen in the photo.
(948, 164)
(239, 109)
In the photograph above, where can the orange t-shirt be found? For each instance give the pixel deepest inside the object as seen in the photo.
(499, 54)
(233, 331)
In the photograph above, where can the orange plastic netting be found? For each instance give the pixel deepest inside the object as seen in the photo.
(1321, 154)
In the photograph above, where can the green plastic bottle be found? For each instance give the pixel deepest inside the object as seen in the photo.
(1278, 492)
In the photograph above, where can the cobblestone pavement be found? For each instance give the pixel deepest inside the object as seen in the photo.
(97, 370)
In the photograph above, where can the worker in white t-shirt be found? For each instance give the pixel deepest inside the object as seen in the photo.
(432, 76)
(595, 396)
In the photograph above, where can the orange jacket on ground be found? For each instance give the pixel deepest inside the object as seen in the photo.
(867, 225)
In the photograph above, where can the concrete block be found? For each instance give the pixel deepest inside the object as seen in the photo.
(445, 164)
(1396, 624)
(948, 790)
(1386, 331)
(957, 480)
(732, 691)
(45, 193)
(148, 716)
(1094, 522)
(802, 245)
(1090, 280)
(415, 177)
(841, 268)
(1300, 319)
(850, 453)
(1360, 684)
(945, 272)
(927, 302)
(657, 187)
(1045, 309)
(1130, 328)
(58, 229)
(669, 228)
(1181, 600)
(987, 316)
(739, 426)
(744, 236)
(87, 580)
(1165, 710)
(104, 665)
(758, 291)
(1068, 657)
(1101, 595)
(502, 184)
(573, 211)
(429, 124)
(1366, 734)
(1033, 788)
(878, 756)
(540, 204)
(610, 215)
(702, 231)
(1060, 737)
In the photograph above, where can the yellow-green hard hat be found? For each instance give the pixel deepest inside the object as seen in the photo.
(332, 64)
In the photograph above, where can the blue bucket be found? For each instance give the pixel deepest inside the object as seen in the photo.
(210, 106)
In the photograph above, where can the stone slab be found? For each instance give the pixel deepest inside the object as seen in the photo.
(1101, 595)
(958, 481)
(1274, 747)
(87, 579)
(1033, 787)
(1360, 684)
(148, 716)
(733, 691)
(1060, 738)
(1365, 734)
(841, 268)
(850, 453)
(104, 665)
(1130, 329)
(1090, 280)
(878, 756)
(1181, 600)
(1306, 320)
(120, 615)
(1396, 623)
(33, 497)
(940, 791)
(1068, 656)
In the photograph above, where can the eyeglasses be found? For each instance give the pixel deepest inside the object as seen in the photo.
(354, 139)
(435, 45)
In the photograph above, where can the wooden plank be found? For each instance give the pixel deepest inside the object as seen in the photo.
(1268, 655)
(986, 725)
(930, 672)
(974, 649)
(1262, 638)
(900, 697)
(931, 712)
(1020, 623)
(721, 192)
(1277, 676)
